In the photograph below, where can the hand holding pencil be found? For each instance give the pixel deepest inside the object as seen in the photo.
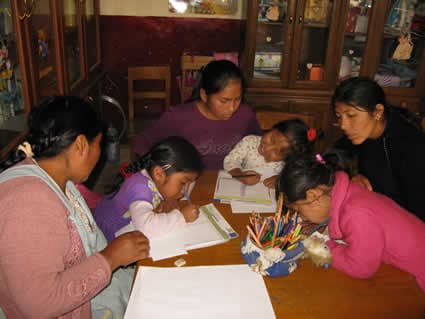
(249, 177)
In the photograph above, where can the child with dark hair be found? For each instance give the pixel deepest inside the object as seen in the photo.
(213, 121)
(164, 173)
(255, 152)
(374, 229)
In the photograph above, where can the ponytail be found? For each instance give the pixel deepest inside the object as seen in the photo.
(12, 158)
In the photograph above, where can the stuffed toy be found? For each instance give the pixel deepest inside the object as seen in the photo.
(273, 13)
(315, 248)
(404, 48)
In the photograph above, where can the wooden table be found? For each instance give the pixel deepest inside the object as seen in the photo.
(311, 292)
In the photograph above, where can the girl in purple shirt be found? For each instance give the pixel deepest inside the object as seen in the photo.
(161, 174)
(214, 121)
(373, 228)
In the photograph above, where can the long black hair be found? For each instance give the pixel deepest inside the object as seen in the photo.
(307, 170)
(363, 93)
(54, 125)
(215, 76)
(173, 154)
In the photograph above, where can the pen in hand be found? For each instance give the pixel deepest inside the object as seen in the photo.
(242, 175)
(186, 195)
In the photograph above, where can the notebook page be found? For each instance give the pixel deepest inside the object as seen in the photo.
(228, 188)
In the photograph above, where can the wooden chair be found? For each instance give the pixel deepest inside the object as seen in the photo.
(142, 73)
(190, 65)
(267, 118)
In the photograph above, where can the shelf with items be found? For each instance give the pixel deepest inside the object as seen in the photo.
(33, 61)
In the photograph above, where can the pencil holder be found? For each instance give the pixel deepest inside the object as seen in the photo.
(272, 262)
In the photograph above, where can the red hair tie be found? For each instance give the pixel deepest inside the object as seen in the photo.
(123, 172)
(311, 134)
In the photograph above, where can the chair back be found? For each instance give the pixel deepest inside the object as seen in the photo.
(191, 64)
(267, 118)
(142, 73)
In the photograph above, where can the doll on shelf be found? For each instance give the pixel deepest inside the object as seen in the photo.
(43, 50)
(404, 48)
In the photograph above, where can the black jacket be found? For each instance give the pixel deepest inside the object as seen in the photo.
(394, 163)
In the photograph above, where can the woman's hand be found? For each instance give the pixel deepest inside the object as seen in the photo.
(190, 213)
(167, 205)
(126, 249)
(270, 182)
(363, 181)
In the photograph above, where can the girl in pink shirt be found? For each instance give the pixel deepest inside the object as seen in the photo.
(372, 227)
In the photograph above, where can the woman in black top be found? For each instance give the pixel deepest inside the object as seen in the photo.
(385, 141)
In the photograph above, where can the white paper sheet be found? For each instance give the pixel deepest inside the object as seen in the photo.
(211, 228)
(240, 207)
(225, 292)
(166, 246)
(205, 232)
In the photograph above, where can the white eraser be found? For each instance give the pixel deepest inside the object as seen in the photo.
(180, 262)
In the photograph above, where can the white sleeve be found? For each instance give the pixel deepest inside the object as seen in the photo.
(154, 224)
(237, 156)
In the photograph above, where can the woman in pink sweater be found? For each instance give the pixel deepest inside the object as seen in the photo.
(54, 260)
(372, 227)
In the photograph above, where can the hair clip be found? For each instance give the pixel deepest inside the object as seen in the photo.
(320, 159)
(166, 167)
(26, 148)
(311, 134)
(123, 171)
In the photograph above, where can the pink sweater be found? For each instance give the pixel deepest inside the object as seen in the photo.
(44, 272)
(376, 230)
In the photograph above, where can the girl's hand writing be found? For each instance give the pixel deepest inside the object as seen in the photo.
(190, 213)
(363, 181)
(270, 182)
(126, 249)
(167, 205)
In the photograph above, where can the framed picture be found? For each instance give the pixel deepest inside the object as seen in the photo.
(210, 7)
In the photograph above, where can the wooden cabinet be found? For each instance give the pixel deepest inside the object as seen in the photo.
(49, 47)
(296, 52)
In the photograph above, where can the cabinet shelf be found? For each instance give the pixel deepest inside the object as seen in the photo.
(43, 70)
(316, 25)
(271, 23)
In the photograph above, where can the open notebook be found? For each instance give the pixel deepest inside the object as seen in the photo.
(244, 198)
(228, 189)
(211, 228)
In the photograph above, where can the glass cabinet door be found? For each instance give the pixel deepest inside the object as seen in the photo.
(270, 35)
(92, 34)
(72, 42)
(355, 38)
(44, 42)
(314, 26)
(402, 44)
(11, 90)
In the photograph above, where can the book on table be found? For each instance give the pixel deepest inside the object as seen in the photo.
(244, 198)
